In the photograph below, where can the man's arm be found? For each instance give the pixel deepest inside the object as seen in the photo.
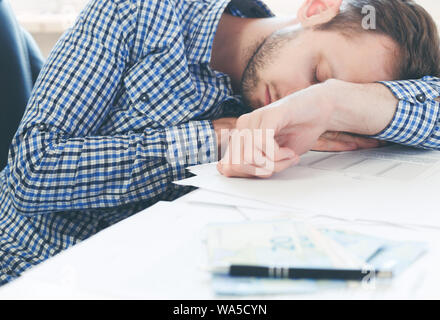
(417, 118)
(407, 114)
(404, 112)
(364, 109)
(59, 162)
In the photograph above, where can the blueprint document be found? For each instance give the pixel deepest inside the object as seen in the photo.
(394, 184)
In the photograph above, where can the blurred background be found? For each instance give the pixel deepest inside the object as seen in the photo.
(48, 19)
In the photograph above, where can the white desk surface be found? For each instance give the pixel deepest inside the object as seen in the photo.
(159, 254)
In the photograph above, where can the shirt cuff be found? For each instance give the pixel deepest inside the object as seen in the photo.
(416, 115)
(190, 144)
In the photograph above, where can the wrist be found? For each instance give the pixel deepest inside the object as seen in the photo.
(339, 116)
(365, 109)
(326, 103)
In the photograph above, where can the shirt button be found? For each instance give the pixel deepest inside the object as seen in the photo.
(42, 127)
(421, 98)
(144, 97)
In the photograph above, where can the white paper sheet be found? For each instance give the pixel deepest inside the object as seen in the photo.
(333, 192)
(395, 163)
(222, 199)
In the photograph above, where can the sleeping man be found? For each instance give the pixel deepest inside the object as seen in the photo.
(137, 90)
(318, 112)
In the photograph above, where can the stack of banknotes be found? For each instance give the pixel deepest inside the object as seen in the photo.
(292, 244)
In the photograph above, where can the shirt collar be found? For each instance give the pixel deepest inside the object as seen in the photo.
(200, 45)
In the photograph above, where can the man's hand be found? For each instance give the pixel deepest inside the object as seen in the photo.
(300, 122)
(272, 138)
(227, 124)
(340, 141)
(248, 156)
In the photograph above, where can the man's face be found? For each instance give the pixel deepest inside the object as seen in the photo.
(293, 59)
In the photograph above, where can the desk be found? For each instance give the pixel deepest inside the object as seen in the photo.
(159, 254)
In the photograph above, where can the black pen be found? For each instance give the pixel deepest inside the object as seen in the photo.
(301, 273)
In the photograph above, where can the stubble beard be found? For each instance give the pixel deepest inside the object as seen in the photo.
(250, 79)
(262, 54)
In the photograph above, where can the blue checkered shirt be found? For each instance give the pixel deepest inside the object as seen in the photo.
(122, 106)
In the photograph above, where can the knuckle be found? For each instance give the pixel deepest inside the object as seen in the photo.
(243, 121)
(266, 175)
(332, 135)
(228, 172)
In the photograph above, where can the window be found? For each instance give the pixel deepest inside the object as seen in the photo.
(58, 15)
(47, 16)
(48, 19)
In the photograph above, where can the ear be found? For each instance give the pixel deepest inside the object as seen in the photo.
(315, 12)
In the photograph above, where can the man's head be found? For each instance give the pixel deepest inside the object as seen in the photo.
(358, 41)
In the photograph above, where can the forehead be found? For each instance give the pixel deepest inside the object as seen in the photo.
(366, 57)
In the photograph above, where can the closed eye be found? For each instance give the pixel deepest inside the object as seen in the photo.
(315, 75)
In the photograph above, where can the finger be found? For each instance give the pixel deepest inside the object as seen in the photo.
(366, 143)
(284, 154)
(249, 121)
(242, 171)
(266, 150)
(234, 164)
(334, 146)
(227, 158)
(338, 141)
(254, 155)
(236, 148)
(249, 171)
(230, 173)
(272, 149)
(249, 150)
(272, 167)
(285, 164)
(275, 167)
(227, 170)
(345, 137)
(243, 146)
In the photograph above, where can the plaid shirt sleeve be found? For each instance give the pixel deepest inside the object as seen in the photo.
(417, 119)
(58, 163)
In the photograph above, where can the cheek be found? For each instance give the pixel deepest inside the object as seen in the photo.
(345, 68)
(285, 72)
(288, 71)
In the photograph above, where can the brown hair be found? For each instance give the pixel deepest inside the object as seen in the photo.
(405, 22)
